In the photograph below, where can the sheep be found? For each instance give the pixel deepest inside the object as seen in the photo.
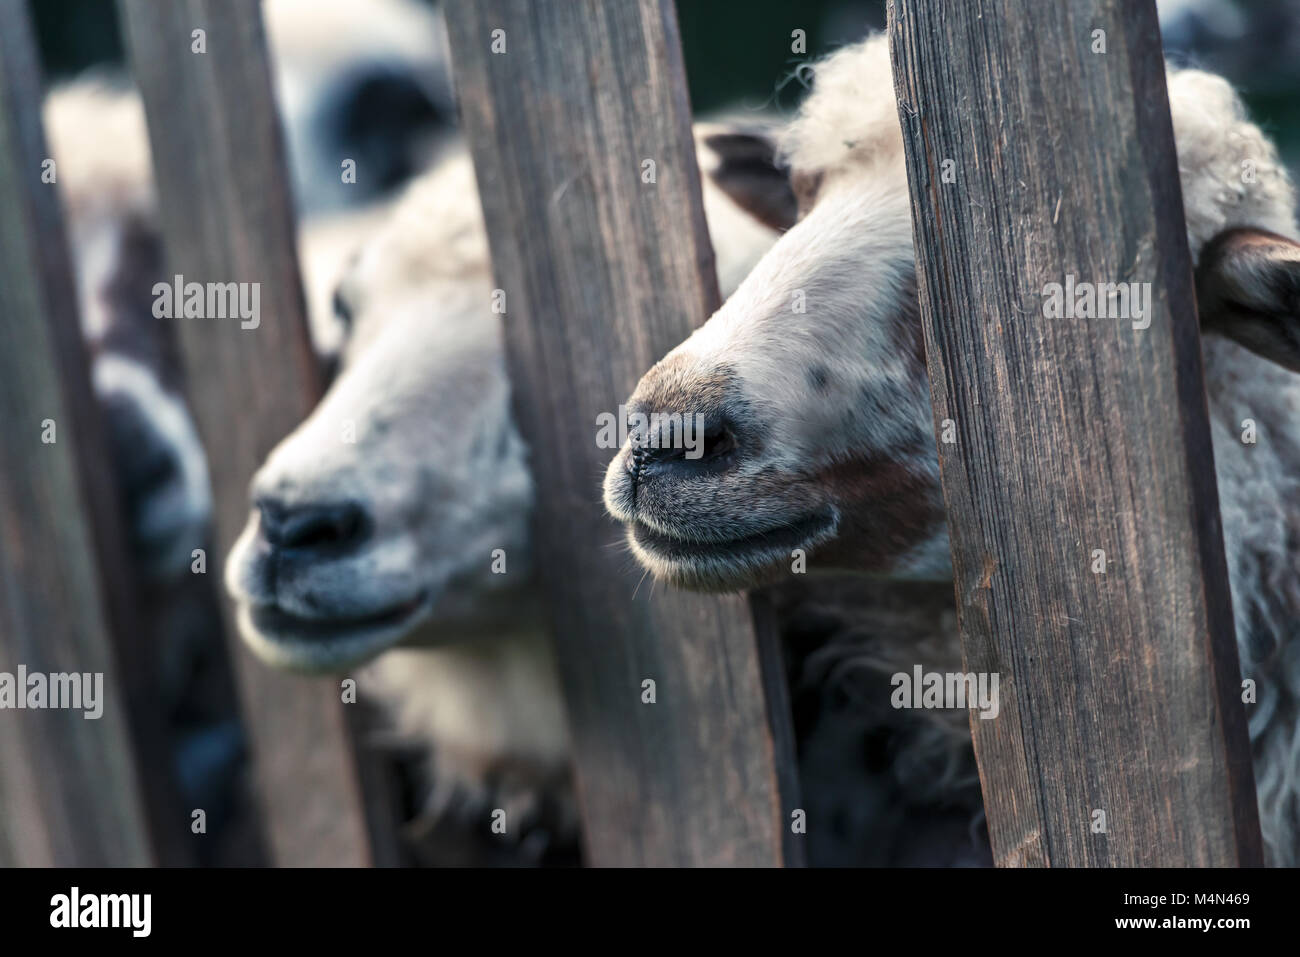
(826, 418)
(380, 551)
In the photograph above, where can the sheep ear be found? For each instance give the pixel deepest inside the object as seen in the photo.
(746, 168)
(1248, 289)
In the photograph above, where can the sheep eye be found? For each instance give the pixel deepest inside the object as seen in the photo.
(342, 311)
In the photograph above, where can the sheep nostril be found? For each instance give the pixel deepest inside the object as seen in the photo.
(691, 449)
(718, 440)
(333, 527)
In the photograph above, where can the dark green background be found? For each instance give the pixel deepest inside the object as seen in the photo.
(738, 51)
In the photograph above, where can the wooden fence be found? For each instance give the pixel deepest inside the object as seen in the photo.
(570, 100)
(227, 215)
(1121, 739)
(588, 93)
(71, 788)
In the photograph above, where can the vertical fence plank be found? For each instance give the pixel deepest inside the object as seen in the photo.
(603, 274)
(1120, 691)
(71, 791)
(227, 216)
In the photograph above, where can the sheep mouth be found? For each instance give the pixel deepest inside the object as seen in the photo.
(274, 620)
(721, 564)
(286, 640)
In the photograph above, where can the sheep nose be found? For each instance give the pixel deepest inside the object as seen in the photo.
(697, 447)
(145, 462)
(334, 527)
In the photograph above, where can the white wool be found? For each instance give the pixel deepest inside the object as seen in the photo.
(480, 704)
(1229, 169)
(95, 128)
(95, 131)
(433, 232)
(849, 123)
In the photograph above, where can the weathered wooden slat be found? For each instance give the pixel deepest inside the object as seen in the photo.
(1120, 690)
(228, 216)
(780, 724)
(603, 273)
(71, 788)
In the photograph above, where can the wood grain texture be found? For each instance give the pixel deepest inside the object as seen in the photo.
(603, 274)
(71, 789)
(227, 215)
(1120, 691)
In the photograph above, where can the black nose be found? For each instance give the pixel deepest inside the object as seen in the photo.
(684, 445)
(143, 459)
(337, 527)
